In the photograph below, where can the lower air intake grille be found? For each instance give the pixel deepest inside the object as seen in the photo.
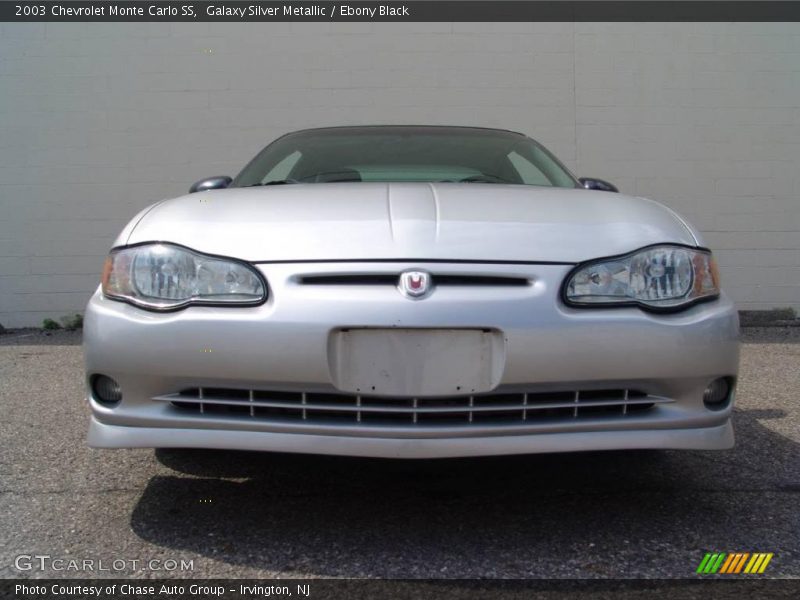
(333, 408)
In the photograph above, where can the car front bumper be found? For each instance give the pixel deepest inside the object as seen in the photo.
(542, 351)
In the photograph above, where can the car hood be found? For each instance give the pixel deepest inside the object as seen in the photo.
(442, 221)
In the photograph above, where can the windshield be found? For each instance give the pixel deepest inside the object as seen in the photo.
(427, 154)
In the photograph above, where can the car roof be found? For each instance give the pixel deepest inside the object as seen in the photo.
(356, 129)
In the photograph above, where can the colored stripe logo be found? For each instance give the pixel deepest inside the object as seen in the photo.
(734, 563)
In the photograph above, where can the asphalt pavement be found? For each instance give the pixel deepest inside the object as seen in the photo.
(648, 514)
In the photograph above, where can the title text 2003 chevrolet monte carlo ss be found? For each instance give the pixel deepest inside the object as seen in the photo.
(410, 292)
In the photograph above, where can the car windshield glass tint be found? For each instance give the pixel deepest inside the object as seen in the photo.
(414, 154)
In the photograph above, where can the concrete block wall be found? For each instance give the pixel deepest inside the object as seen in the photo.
(99, 120)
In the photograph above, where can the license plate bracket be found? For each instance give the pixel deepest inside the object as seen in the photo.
(416, 362)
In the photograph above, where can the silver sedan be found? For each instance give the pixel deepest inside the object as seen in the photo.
(410, 292)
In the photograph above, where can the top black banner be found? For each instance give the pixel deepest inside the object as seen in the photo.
(390, 11)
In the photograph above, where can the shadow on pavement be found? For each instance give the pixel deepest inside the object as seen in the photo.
(609, 514)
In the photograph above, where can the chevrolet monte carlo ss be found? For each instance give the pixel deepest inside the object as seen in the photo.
(410, 292)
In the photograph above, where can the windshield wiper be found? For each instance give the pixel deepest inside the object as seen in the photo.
(343, 175)
(484, 178)
(276, 182)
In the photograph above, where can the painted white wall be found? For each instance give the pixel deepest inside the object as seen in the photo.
(100, 120)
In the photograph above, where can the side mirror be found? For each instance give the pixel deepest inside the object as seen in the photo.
(590, 183)
(219, 182)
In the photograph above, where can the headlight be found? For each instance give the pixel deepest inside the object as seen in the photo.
(165, 277)
(659, 277)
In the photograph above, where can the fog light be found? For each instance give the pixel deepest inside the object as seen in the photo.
(106, 390)
(717, 394)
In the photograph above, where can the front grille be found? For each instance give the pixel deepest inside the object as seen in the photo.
(393, 279)
(337, 409)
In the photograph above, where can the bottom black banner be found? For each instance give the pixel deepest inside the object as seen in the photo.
(347, 589)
